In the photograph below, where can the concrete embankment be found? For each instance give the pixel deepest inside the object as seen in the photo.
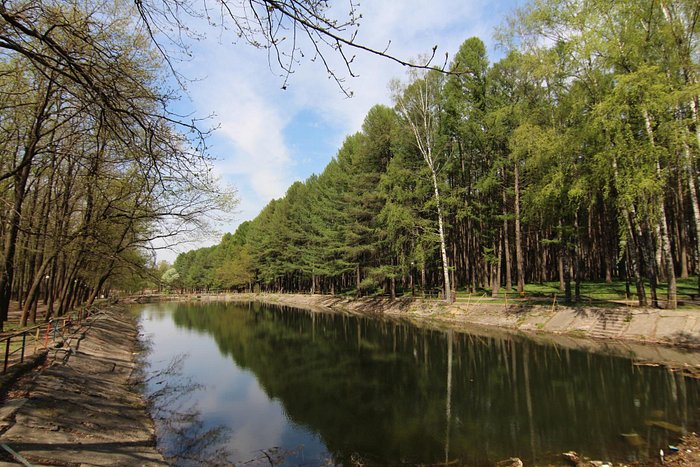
(629, 331)
(83, 405)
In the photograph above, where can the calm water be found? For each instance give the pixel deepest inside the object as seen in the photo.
(244, 383)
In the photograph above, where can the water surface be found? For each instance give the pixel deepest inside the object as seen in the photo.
(305, 388)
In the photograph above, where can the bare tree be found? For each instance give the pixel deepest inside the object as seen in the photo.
(290, 30)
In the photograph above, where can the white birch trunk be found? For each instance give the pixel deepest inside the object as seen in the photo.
(423, 127)
(519, 261)
(443, 246)
(662, 228)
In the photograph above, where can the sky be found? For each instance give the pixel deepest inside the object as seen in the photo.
(269, 137)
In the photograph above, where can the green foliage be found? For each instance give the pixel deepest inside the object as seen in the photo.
(584, 136)
(171, 278)
(95, 172)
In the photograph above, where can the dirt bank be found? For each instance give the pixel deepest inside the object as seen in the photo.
(83, 406)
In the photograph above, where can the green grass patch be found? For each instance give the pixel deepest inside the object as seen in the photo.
(593, 293)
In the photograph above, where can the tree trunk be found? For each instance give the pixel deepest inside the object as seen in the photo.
(672, 298)
(519, 260)
(662, 228)
(20, 183)
(506, 246)
(496, 269)
(647, 247)
(101, 282)
(33, 294)
(567, 272)
(562, 280)
(635, 235)
(7, 276)
(693, 191)
(443, 246)
(51, 290)
(637, 271)
(679, 227)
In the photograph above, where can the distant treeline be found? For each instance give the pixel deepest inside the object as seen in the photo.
(573, 158)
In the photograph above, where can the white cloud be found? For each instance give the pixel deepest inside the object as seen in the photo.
(411, 28)
(240, 88)
(250, 141)
(256, 131)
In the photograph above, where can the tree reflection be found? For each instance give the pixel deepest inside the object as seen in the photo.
(387, 392)
(448, 398)
(183, 437)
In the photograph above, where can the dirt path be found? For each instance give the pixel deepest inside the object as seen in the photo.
(83, 406)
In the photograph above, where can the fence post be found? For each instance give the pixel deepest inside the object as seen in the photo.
(7, 353)
(24, 341)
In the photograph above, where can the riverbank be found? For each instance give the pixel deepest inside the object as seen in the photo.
(646, 325)
(648, 335)
(83, 405)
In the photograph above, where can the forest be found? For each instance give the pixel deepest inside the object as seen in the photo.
(94, 170)
(572, 158)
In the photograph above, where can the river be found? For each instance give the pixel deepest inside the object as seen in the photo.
(263, 384)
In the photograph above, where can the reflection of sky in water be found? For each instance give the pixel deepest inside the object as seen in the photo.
(232, 397)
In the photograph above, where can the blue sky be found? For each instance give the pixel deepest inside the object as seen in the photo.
(268, 137)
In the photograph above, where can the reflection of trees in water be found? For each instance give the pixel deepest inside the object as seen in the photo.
(183, 436)
(274, 456)
(380, 392)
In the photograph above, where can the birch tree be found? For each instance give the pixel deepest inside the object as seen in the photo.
(418, 106)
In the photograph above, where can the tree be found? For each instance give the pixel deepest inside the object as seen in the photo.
(92, 148)
(291, 30)
(171, 278)
(627, 45)
(573, 158)
(418, 106)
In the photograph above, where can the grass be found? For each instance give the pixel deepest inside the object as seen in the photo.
(599, 293)
(593, 293)
(10, 327)
(15, 349)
